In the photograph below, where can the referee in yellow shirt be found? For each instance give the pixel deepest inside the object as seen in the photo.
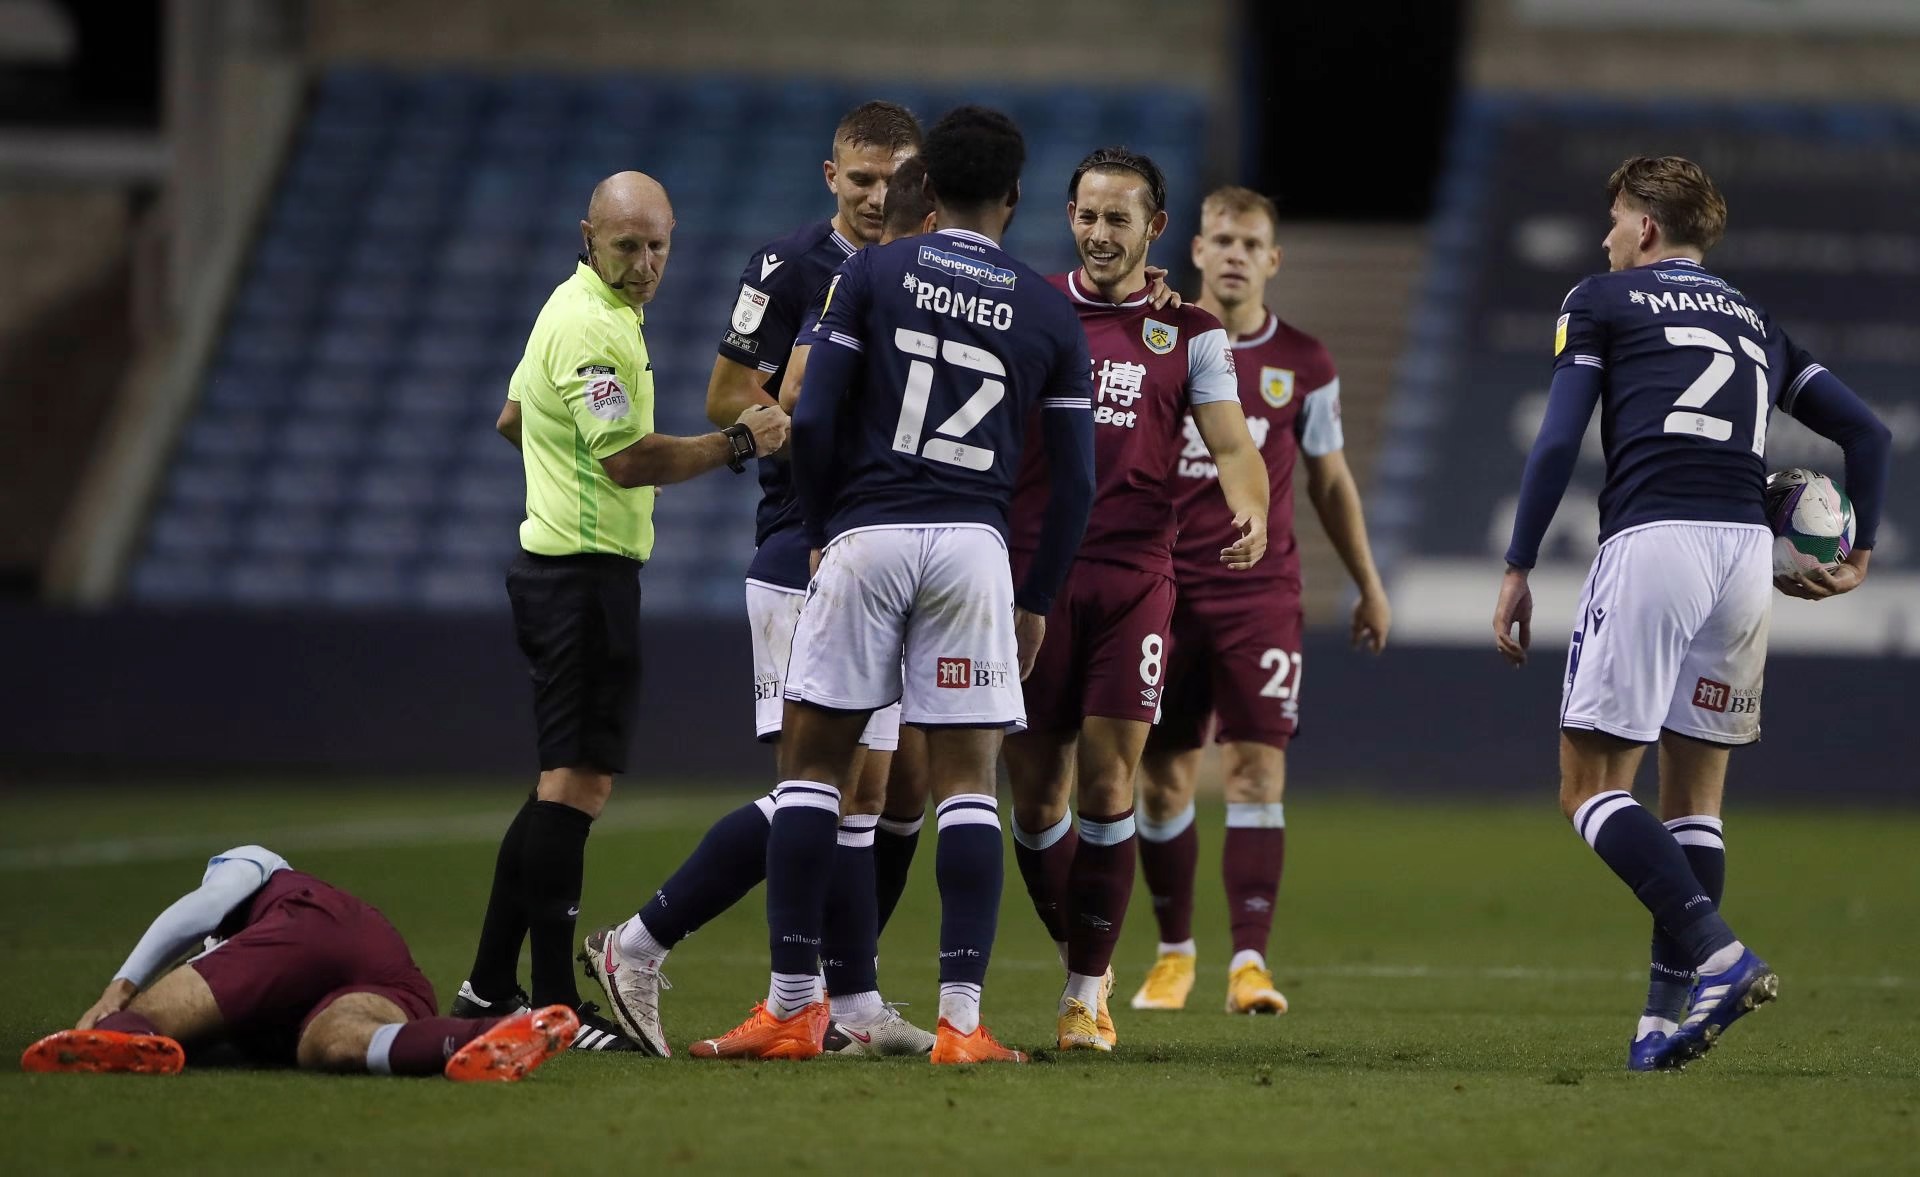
(580, 408)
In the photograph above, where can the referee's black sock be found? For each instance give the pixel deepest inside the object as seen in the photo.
(552, 868)
(497, 961)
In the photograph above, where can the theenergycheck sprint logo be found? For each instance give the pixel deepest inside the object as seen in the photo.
(985, 273)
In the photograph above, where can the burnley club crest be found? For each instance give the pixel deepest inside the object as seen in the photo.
(1159, 337)
(1276, 386)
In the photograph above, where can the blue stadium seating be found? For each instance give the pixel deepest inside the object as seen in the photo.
(342, 453)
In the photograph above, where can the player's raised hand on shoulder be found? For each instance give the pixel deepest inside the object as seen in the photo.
(1159, 294)
(1246, 551)
(119, 992)
(1822, 583)
(769, 425)
(1029, 630)
(1514, 612)
(1372, 617)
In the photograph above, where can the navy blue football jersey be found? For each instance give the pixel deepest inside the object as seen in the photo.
(960, 345)
(1692, 369)
(775, 289)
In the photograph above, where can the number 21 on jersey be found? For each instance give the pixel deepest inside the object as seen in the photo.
(1686, 418)
(946, 446)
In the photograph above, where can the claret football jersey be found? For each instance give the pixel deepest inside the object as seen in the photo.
(1148, 368)
(1291, 396)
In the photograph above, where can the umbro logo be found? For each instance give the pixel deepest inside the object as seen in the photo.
(769, 264)
(1096, 923)
(1256, 903)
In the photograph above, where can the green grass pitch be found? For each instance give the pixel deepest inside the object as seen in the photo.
(1464, 978)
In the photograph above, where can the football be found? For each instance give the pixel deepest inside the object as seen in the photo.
(1812, 521)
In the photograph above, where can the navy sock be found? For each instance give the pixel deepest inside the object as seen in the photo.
(729, 862)
(552, 869)
(893, 845)
(800, 851)
(850, 938)
(969, 864)
(1644, 854)
(1670, 976)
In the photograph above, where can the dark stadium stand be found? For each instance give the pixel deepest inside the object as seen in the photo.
(1820, 232)
(343, 454)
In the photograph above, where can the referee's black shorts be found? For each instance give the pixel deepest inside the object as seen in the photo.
(577, 619)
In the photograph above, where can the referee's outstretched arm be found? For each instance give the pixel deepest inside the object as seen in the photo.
(657, 459)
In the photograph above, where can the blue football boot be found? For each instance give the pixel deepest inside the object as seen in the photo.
(1654, 1052)
(1719, 1000)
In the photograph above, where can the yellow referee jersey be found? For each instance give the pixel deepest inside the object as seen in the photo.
(585, 388)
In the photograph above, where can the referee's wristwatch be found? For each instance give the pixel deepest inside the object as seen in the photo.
(741, 439)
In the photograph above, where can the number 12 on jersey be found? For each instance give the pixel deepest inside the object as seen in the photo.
(1708, 383)
(913, 403)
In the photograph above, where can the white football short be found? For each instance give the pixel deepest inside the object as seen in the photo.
(1672, 633)
(772, 612)
(922, 615)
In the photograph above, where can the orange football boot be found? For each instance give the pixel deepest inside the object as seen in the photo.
(515, 1048)
(104, 1051)
(800, 1036)
(951, 1047)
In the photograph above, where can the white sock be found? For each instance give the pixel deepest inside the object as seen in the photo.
(857, 1007)
(790, 993)
(1655, 1026)
(960, 1005)
(1246, 956)
(1083, 989)
(377, 1049)
(638, 945)
(902, 829)
(1184, 948)
(1723, 960)
(1164, 831)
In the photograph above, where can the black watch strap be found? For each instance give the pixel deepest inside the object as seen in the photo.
(740, 438)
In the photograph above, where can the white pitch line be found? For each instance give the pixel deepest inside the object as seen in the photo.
(364, 833)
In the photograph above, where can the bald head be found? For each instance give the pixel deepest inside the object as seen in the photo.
(628, 231)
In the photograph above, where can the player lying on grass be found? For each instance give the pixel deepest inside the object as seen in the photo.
(301, 973)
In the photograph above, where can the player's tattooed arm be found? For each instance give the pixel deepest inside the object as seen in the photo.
(1243, 478)
(732, 389)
